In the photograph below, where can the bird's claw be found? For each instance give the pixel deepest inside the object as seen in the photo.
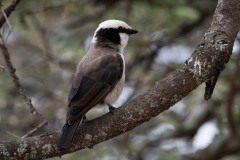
(85, 120)
(111, 108)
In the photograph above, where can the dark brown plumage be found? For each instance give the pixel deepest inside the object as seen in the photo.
(99, 77)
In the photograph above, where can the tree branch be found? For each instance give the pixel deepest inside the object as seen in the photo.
(213, 52)
(21, 90)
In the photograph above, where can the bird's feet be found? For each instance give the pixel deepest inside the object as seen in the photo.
(110, 108)
(84, 119)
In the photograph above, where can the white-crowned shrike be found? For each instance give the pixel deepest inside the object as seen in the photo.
(99, 77)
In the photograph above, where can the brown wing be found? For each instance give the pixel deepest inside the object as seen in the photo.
(92, 86)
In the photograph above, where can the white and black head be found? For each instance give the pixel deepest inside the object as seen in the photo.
(114, 32)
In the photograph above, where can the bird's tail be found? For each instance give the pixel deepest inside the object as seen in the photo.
(67, 136)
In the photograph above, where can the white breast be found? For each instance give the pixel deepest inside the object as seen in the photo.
(115, 93)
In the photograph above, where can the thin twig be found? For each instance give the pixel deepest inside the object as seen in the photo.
(6, 18)
(47, 48)
(12, 134)
(15, 79)
(8, 11)
(42, 33)
(9, 25)
(2, 68)
(30, 133)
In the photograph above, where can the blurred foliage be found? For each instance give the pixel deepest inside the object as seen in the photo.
(49, 38)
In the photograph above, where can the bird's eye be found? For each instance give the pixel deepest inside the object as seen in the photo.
(121, 29)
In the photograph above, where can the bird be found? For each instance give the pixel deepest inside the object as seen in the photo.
(99, 76)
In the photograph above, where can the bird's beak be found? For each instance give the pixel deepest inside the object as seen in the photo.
(132, 31)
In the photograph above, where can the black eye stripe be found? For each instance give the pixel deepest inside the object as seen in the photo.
(108, 34)
(122, 30)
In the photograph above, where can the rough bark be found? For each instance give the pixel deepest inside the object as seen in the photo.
(211, 54)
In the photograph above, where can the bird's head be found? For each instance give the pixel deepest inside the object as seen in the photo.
(113, 31)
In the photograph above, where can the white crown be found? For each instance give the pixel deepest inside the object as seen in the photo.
(112, 23)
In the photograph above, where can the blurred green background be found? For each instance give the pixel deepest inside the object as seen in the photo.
(47, 38)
